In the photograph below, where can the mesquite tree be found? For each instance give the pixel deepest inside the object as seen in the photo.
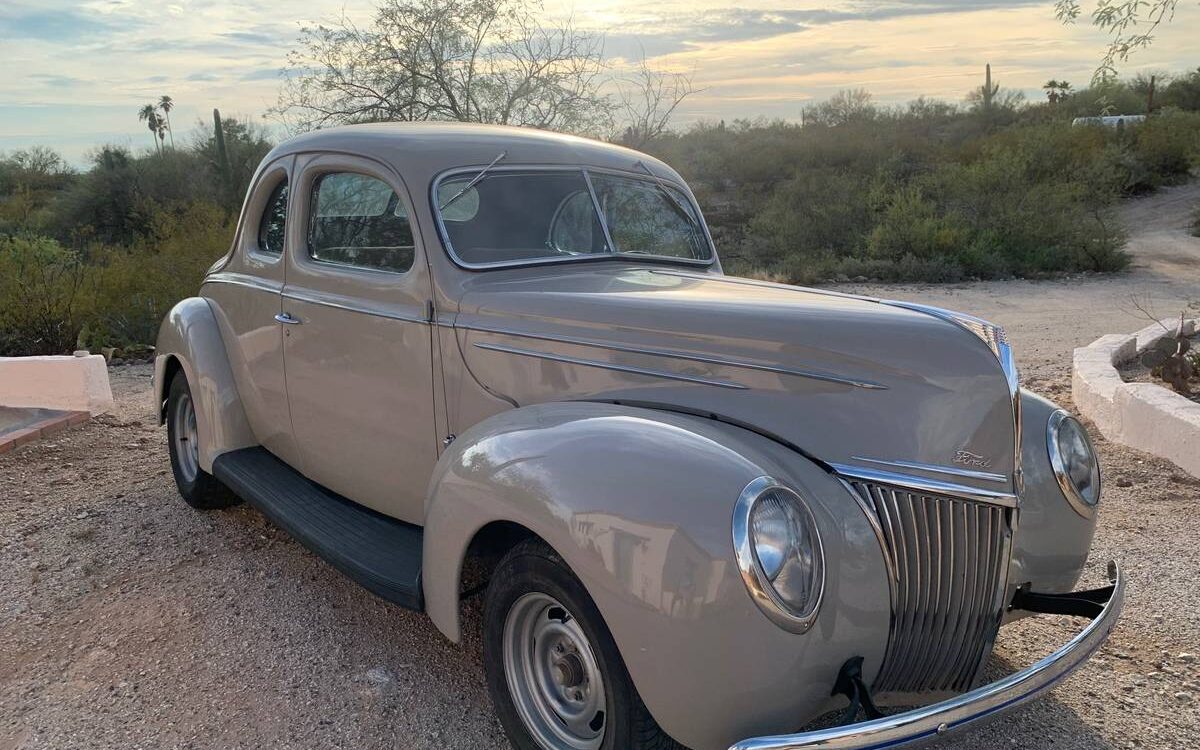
(1130, 24)
(486, 61)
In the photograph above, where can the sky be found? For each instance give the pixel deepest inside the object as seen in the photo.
(73, 73)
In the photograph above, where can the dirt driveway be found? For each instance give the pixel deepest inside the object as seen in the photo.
(128, 620)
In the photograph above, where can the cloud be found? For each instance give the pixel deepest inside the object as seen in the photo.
(62, 25)
(265, 74)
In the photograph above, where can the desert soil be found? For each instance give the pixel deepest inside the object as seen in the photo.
(128, 620)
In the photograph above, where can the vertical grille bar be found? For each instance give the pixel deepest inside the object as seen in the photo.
(949, 557)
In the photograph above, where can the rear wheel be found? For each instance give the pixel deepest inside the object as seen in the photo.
(198, 488)
(553, 670)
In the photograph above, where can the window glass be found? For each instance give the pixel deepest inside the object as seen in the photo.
(647, 218)
(273, 221)
(574, 228)
(514, 216)
(530, 215)
(464, 207)
(359, 221)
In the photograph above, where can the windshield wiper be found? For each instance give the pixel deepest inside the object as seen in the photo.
(474, 181)
(670, 196)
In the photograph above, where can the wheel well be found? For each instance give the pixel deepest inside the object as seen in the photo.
(485, 551)
(173, 366)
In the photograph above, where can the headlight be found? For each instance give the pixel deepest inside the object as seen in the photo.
(1074, 462)
(779, 553)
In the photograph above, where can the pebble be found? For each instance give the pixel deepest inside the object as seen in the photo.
(1186, 658)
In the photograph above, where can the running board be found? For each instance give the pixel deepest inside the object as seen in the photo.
(377, 551)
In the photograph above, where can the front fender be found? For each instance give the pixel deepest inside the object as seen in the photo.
(190, 339)
(639, 504)
(1052, 540)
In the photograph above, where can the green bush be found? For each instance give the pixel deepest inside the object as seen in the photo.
(132, 287)
(40, 296)
(1168, 146)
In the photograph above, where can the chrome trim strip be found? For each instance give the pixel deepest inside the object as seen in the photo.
(761, 590)
(608, 240)
(242, 279)
(610, 366)
(970, 709)
(322, 300)
(1076, 500)
(449, 248)
(931, 486)
(986, 476)
(810, 374)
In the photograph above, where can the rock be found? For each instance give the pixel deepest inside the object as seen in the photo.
(1186, 658)
(1124, 482)
(1183, 697)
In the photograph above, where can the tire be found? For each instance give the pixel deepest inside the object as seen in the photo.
(197, 487)
(534, 606)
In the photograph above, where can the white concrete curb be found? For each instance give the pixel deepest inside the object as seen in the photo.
(66, 383)
(1146, 416)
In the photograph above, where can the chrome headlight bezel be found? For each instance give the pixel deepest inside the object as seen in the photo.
(759, 585)
(1062, 473)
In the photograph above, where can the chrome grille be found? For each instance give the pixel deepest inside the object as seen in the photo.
(948, 560)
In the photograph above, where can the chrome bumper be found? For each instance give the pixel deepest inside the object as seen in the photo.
(923, 725)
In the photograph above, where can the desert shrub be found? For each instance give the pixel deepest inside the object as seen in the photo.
(40, 296)
(130, 288)
(816, 212)
(1167, 146)
(912, 225)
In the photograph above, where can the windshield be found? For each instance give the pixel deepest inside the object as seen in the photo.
(517, 215)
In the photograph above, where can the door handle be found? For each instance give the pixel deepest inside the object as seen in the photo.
(287, 319)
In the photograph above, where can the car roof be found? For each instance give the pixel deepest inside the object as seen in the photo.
(421, 150)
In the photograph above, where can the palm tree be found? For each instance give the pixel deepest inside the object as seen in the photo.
(149, 115)
(1057, 91)
(166, 104)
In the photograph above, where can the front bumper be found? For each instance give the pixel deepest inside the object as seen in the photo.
(923, 725)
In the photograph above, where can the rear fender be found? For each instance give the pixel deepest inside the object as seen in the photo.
(639, 504)
(189, 340)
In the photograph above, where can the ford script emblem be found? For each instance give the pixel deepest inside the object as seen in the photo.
(967, 458)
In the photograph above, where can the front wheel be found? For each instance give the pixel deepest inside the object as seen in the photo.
(198, 488)
(553, 670)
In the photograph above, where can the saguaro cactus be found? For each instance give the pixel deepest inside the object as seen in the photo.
(223, 165)
(989, 91)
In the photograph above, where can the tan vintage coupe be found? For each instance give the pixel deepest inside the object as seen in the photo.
(705, 510)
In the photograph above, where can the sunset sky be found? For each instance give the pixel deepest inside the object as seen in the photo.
(75, 73)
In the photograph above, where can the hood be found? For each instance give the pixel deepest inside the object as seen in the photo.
(848, 380)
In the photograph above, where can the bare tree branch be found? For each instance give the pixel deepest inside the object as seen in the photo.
(467, 60)
(648, 99)
(1130, 24)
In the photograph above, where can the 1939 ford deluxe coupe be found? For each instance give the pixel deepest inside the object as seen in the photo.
(706, 510)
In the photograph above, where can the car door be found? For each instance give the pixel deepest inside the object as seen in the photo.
(245, 297)
(357, 339)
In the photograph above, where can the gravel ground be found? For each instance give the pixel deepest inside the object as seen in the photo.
(128, 620)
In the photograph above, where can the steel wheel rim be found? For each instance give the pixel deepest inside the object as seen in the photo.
(552, 674)
(186, 438)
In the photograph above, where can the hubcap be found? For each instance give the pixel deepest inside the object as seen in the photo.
(187, 443)
(552, 675)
